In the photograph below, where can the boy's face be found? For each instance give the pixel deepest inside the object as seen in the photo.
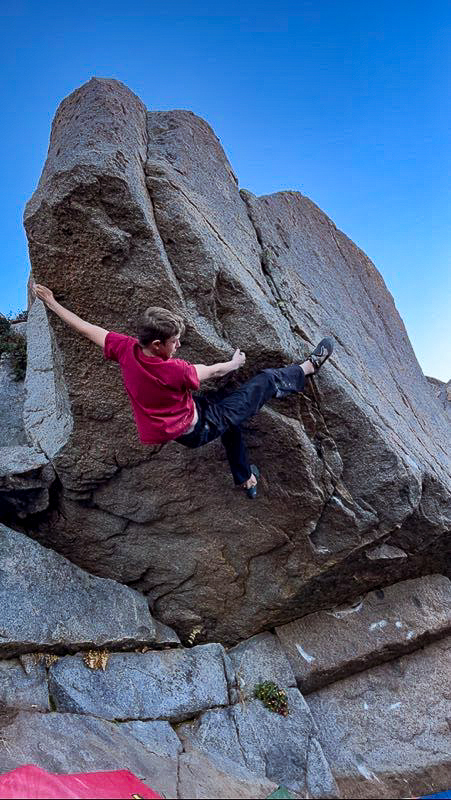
(168, 348)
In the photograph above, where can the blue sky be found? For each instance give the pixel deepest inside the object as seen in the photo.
(346, 102)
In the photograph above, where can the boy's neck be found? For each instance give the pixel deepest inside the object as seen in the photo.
(148, 351)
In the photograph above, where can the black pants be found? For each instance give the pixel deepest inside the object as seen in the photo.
(221, 413)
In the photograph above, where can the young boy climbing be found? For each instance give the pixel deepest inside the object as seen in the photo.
(160, 386)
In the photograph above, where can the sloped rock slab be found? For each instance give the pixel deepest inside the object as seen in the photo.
(47, 603)
(285, 750)
(329, 645)
(23, 689)
(65, 743)
(260, 658)
(173, 684)
(214, 777)
(386, 731)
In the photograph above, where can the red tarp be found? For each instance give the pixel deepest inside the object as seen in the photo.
(33, 783)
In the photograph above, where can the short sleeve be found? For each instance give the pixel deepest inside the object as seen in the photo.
(115, 346)
(191, 379)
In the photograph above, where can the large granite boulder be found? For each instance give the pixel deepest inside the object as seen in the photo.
(137, 208)
(172, 685)
(47, 603)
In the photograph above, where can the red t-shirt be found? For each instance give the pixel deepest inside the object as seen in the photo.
(159, 390)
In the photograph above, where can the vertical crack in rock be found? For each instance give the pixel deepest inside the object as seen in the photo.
(232, 712)
(163, 246)
(266, 260)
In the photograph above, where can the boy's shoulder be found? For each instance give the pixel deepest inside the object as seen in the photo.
(116, 344)
(179, 362)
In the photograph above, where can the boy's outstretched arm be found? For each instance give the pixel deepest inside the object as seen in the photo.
(92, 332)
(204, 373)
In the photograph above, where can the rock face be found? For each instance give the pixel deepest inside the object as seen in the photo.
(25, 472)
(75, 743)
(284, 749)
(137, 685)
(136, 209)
(202, 777)
(386, 731)
(258, 659)
(443, 393)
(329, 645)
(12, 396)
(46, 413)
(186, 720)
(21, 688)
(46, 603)
(25, 479)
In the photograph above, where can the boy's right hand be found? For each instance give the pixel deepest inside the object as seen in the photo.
(44, 294)
(238, 358)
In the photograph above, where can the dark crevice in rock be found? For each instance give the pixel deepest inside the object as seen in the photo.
(14, 650)
(177, 779)
(238, 738)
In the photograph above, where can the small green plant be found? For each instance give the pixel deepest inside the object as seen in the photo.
(15, 346)
(272, 697)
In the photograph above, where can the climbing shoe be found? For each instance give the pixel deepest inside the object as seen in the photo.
(252, 492)
(321, 353)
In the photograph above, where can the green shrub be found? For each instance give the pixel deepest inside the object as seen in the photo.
(272, 697)
(15, 346)
(5, 327)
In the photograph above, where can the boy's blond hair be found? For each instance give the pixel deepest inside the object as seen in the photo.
(159, 323)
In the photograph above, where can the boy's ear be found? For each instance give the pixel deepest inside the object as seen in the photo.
(156, 342)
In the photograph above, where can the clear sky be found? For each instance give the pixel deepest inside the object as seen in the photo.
(347, 102)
